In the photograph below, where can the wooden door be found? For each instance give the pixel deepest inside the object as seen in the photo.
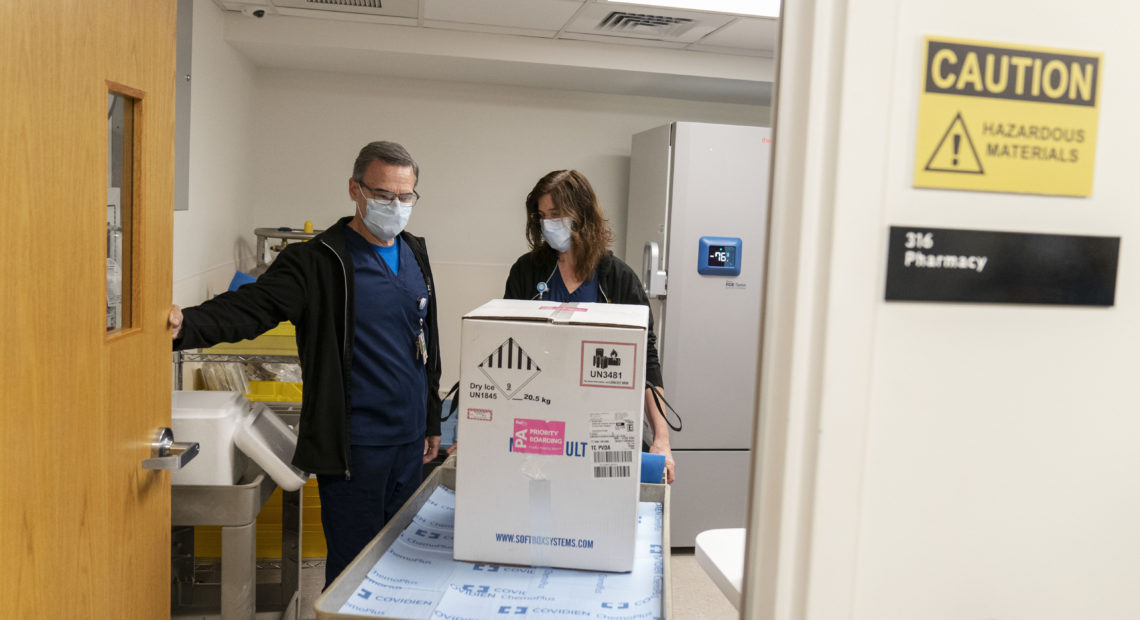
(84, 530)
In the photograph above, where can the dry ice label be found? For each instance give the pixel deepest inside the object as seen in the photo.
(508, 368)
(538, 436)
(608, 364)
(1007, 118)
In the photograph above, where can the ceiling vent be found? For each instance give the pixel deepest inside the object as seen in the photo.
(596, 21)
(363, 4)
(662, 26)
(383, 8)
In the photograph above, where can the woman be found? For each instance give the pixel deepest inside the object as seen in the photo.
(570, 261)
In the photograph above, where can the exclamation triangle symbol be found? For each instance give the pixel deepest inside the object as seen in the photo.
(955, 151)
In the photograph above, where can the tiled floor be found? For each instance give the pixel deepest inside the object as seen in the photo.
(695, 597)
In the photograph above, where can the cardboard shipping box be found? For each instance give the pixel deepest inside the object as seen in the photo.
(550, 413)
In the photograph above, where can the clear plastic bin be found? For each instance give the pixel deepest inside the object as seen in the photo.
(208, 418)
(263, 437)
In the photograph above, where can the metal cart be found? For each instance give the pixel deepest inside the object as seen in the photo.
(235, 508)
(328, 605)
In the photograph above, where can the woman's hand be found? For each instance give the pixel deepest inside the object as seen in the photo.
(660, 430)
(663, 448)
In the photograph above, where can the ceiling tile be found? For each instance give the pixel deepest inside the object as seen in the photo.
(385, 8)
(746, 33)
(527, 14)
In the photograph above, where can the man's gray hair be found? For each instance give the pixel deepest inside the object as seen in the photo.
(391, 153)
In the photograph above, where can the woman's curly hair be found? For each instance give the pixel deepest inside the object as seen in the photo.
(573, 197)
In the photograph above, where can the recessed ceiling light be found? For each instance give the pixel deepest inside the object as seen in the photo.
(761, 8)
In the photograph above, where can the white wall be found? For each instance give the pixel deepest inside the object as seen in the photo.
(939, 461)
(208, 236)
(480, 148)
(1005, 458)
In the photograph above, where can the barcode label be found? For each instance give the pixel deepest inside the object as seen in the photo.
(611, 471)
(613, 456)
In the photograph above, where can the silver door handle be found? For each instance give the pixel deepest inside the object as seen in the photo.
(653, 279)
(166, 454)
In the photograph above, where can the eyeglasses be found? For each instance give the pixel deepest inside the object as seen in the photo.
(387, 197)
(553, 215)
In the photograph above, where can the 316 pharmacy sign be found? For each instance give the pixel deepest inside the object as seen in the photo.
(1005, 118)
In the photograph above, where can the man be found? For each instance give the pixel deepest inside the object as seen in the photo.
(361, 297)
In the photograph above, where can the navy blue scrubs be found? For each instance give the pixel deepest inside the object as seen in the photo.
(388, 390)
(587, 292)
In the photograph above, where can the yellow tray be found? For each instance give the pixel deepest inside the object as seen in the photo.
(274, 391)
(281, 340)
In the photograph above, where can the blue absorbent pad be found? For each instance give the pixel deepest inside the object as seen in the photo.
(417, 578)
(652, 468)
(240, 279)
(392, 602)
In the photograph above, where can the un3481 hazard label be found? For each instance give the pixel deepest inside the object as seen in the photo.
(1007, 118)
(609, 364)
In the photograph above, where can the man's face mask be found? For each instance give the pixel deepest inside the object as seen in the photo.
(386, 219)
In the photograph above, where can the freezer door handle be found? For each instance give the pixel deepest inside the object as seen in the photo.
(652, 278)
(166, 454)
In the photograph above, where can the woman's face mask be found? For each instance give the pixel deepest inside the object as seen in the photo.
(556, 232)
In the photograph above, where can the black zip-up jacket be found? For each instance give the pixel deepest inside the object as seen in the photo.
(311, 285)
(617, 284)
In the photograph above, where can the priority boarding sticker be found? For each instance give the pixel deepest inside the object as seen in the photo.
(608, 364)
(1007, 118)
(538, 436)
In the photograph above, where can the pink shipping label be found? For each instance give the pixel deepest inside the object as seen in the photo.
(563, 308)
(539, 436)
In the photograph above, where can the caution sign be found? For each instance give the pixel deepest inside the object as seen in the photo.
(1005, 118)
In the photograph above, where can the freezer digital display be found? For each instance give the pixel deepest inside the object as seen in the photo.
(719, 256)
(722, 256)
